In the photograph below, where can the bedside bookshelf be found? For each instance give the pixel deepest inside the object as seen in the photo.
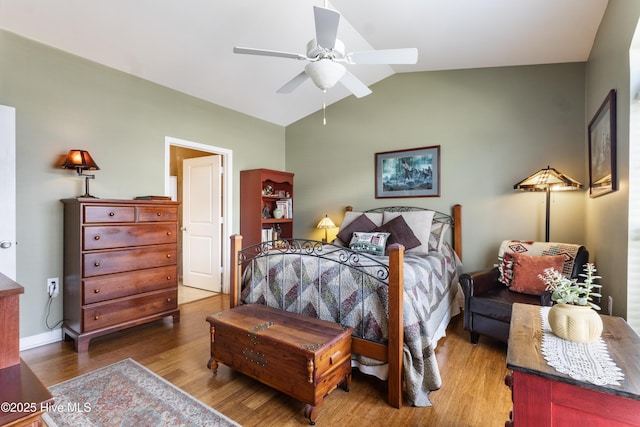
(253, 199)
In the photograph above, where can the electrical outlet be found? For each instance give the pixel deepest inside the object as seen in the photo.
(53, 286)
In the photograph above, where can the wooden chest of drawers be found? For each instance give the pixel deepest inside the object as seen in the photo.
(120, 265)
(303, 357)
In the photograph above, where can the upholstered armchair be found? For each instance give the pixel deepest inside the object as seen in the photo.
(490, 294)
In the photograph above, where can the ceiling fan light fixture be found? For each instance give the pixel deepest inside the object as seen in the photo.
(325, 73)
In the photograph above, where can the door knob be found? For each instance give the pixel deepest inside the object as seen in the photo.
(5, 244)
(183, 228)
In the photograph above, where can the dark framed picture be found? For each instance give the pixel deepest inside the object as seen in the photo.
(408, 173)
(602, 148)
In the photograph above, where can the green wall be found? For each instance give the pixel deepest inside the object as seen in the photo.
(64, 102)
(607, 230)
(495, 127)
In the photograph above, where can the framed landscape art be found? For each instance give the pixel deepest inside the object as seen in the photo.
(602, 148)
(408, 173)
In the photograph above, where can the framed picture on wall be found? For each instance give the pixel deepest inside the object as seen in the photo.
(408, 173)
(602, 148)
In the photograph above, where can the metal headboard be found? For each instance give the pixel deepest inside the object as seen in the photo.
(438, 216)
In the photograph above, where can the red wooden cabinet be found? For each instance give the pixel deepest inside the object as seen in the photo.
(543, 396)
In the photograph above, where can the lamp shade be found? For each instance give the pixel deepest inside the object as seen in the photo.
(548, 178)
(79, 160)
(326, 223)
(325, 73)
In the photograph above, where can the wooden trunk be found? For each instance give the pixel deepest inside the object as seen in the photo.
(303, 357)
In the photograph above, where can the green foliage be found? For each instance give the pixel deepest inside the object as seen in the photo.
(570, 291)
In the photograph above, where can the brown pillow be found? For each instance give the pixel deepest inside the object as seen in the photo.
(400, 233)
(362, 224)
(526, 269)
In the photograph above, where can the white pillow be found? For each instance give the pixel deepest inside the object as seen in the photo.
(437, 235)
(420, 224)
(375, 217)
(349, 217)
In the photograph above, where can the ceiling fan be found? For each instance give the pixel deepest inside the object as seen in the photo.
(326, 55)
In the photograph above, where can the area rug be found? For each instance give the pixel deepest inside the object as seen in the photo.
(127, 394)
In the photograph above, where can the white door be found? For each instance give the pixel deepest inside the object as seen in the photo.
(201, 223)
(8, 191)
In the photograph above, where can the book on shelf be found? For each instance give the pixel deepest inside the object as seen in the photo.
(268, 235)
(287, 207)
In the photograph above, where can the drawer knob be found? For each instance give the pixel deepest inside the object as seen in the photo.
(508, 380)
(168, 277)
(112, 214)
(96, 237)
(168, 255)
(168, 299)
(97, 317)
(97, 263)
(97, 291)
(168, 233)
(159, 213)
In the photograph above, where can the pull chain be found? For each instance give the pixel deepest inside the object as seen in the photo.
(324, 108)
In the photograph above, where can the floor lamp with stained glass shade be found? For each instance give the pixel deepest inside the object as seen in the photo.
(548, 180)
(81, 160)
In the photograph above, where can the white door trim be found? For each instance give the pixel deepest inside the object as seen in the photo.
(227, 189)
(8, 190)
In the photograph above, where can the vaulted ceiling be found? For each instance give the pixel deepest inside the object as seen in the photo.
(187, 45)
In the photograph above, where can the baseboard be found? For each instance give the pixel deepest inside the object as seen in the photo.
(41, 339)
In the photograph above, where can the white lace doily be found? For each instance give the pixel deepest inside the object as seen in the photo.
(589, 362)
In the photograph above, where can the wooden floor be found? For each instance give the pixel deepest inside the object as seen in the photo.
(473, 391)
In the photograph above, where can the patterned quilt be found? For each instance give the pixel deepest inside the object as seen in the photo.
(351, 289)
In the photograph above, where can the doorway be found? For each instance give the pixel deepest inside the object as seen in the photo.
(177, 151)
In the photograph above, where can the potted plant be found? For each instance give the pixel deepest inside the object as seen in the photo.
(573, 316)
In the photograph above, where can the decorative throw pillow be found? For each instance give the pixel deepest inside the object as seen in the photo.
(400, 233)
(526, 269)
(362, 223)
(509, 247)
(420, 224)
(505, 268)
(437, 235)
(349, 217)
(371, 243)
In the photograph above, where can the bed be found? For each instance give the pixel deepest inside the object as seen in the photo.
(399, 301)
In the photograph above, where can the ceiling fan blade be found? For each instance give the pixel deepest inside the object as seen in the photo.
(293, 84)
(384, 56)
(264, 52)
(327, 21)
(354, 85)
